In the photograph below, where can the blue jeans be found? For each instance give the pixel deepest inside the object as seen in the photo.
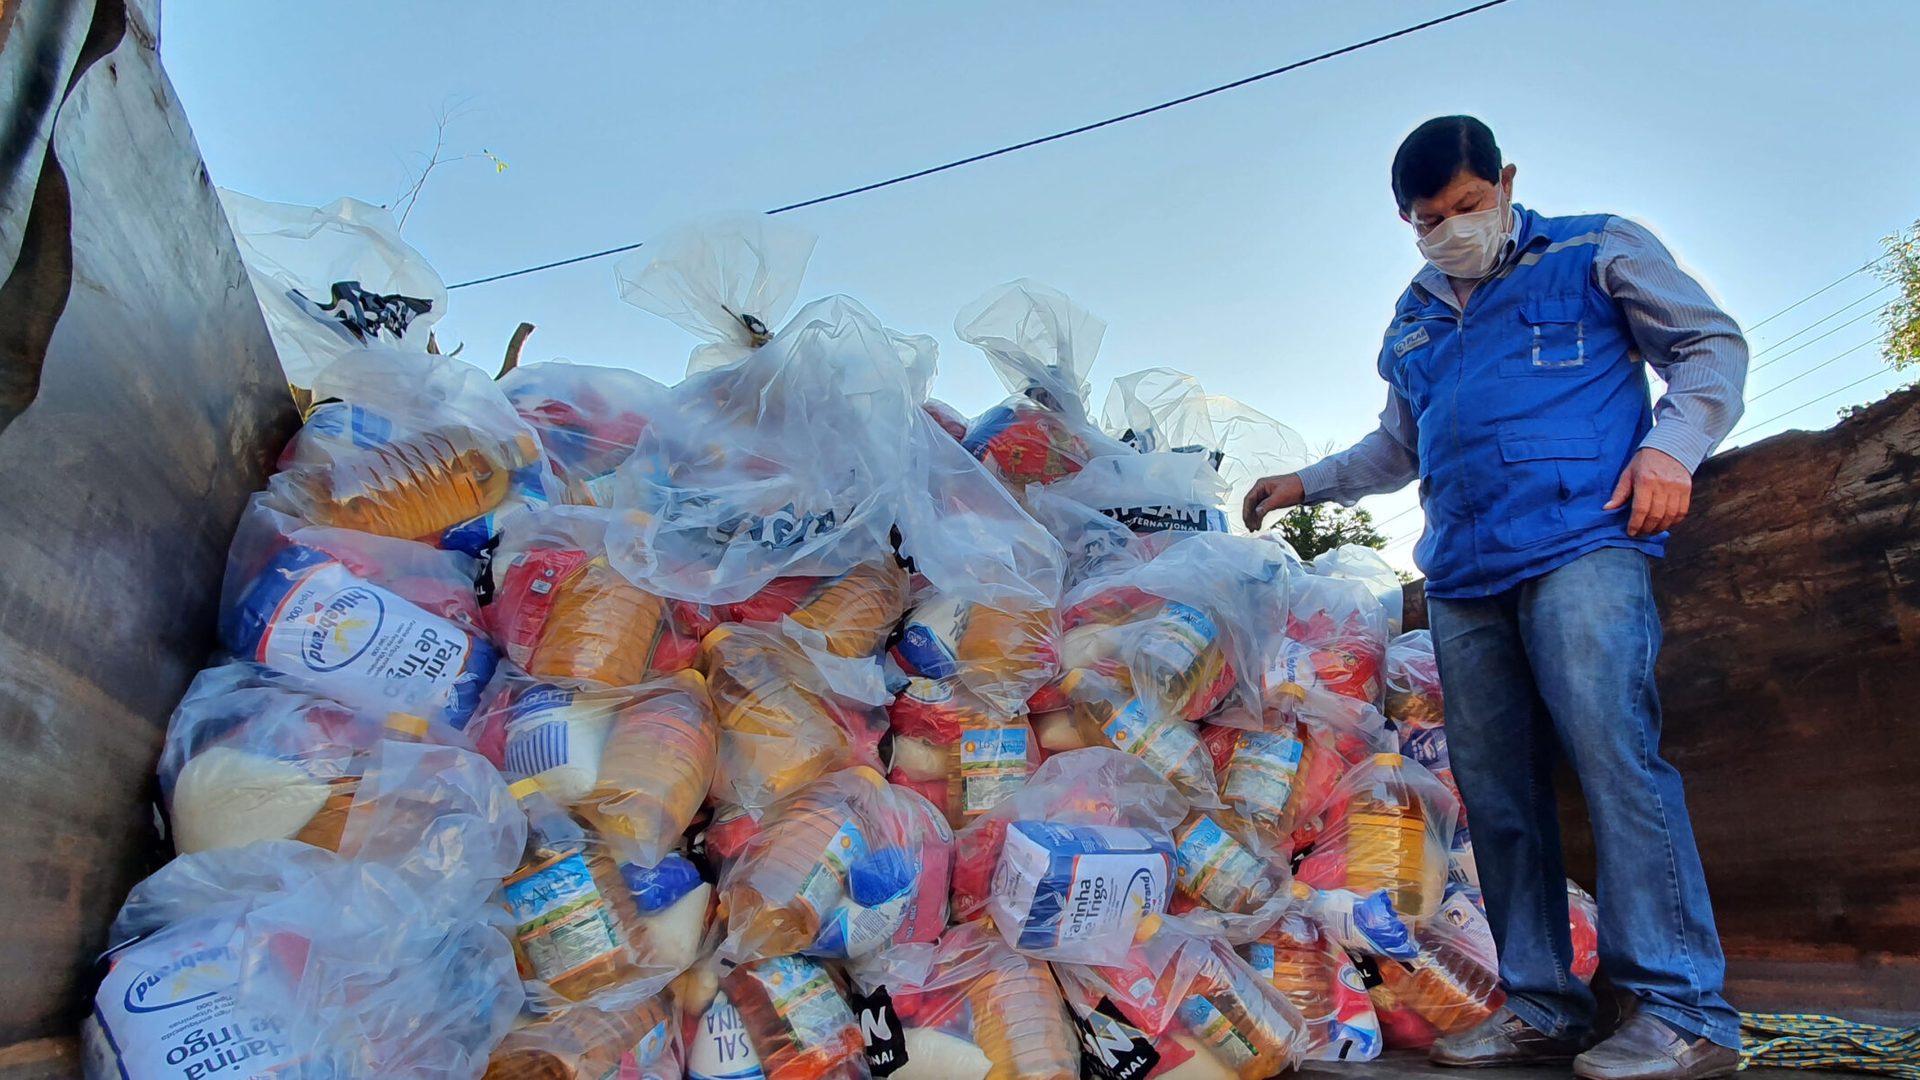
(1563, 663)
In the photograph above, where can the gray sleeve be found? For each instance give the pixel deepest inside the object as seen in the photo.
(1386, 460)
(1683, 335)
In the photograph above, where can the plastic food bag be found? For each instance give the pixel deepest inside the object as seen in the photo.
(588, 419)
(727, 281)
(1259, 775)
(1170, 493)
(795, 1015)
(1042, 345)
(1214, 868)
(1583, 915)
(963, 756)
(1334, 651)
(560, 609)
(1388, 825)
(635, 762)
(1094, 802)
(1452, 984)
(585, 923)
(831, 872)
(284, 956)
(1001, 655)
(948, 418)
(1318, 978)
(967, 534)
(1334, 746)
(417, 446)
(1416, 704)
(333, 279)
(248, 758)
(1095, 545)
(1356, 562)
(380, 625)
(790, 712)
(975, 1009)
(788, 463)
(593, 1040)
(1182, 1003)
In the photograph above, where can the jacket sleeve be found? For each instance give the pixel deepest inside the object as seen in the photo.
(1385, 460)
(1695, 347)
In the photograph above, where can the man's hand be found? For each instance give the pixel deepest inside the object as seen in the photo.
(1272, 493)
(1661, 488)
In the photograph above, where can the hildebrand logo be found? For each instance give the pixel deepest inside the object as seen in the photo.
(340, 631)
(147, 994)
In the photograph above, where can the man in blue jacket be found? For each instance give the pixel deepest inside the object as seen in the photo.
(1518, 398)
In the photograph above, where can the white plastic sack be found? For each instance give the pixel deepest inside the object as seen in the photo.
(333, 279)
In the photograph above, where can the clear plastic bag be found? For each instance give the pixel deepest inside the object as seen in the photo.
(1120, 801)
(999, 655)
(831, 872)
(280, 955)
(794, 1012)
(593, 1040)
(561, 610)
(1094, 545)
(1583, 918)
(1416, 705)
(1185, 995)
(1042, 345)
(790, 711)
(1304, 963)
(962, 755)
(635, 762)
(1357, 562)
(1331, 660)
(416, 446)
(588, 418)
(1158, 493)
(947, 417)
(727, 281)
(1388, 825)
(972, 1010)
(1452, 984)
(381, 625)
(1222, 866)
(1259, 773)
(586, 924)
(788, 463)
(333, 279)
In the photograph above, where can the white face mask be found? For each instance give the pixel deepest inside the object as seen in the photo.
(1469, 245)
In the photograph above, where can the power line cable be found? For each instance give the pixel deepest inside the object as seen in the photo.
(1831, 359)
(1835, 283)
(1822, 337)
(1028, 144)
(1810, 401)
(1773, 345)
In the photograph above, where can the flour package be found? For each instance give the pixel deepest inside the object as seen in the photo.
(379, 624)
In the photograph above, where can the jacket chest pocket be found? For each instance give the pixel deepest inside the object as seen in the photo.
(1553, 338)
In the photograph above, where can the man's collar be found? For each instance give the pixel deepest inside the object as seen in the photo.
(1435, 283)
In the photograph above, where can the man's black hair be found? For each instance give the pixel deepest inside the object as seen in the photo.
(1436, 152)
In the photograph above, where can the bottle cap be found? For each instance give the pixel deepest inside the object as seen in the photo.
(407, 724)
(520, 789)
(1394, 760)
(1149, 926)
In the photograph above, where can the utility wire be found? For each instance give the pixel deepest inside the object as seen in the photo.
(1836, 282)
(1819, 338)
(1030, 143)
(1811, 401)
(1775, 345)
(1870, 341)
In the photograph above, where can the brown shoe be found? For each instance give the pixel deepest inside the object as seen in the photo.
(1503, 1039)
(1646, 1049)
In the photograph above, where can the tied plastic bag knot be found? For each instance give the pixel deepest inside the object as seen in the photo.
(725, 280)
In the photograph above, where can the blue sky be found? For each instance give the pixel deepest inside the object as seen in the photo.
(1249, 238)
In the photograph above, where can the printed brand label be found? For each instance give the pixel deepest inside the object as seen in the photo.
(362, 313)
(880, 1029)
(562, 920)
(720, 1049)
(1215, 868)
(1166, 744)
(1168, 518)
(993, 765)
(167, 1011)
(1178, 637)
(826, 884)
(1259, 779)
(1068, 884)
(1260, 958)
(1211, 1027)
(803, 995)
(1115, 1049)
(1409, 342)
(361, 644)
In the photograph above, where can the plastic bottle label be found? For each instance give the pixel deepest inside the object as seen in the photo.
(804, 997)
(1260, 958)
(993, 765)
(1179, 636)
(1215, 1032)
(720, 1049)
(562, 920)
(826, 884)
(167, 1010)
(1213, 867)
(1165, 745)
(362, 644)
(1261, 773)
(640, 1063)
